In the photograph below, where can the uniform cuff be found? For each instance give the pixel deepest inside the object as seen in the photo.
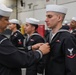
(29, 47)
(41, 55)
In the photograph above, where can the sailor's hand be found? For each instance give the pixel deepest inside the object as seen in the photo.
(36, 46)
(45, 48)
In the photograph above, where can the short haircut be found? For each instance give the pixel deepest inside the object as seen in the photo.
(62, 14)
(35, 25)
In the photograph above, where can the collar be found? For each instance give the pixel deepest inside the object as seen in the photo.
(15, 32)
(60, 30)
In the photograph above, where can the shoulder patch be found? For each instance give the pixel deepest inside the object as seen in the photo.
(15, 34)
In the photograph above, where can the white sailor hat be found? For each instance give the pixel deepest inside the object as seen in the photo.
(32, 21)
(74, 18)
(14, 21)
(56, 8)
(5, 11)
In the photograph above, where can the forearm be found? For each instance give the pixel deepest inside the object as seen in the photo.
(19, 59)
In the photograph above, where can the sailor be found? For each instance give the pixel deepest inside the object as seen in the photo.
(73, 26)
(34, 38)
(17, 38)
(10, 57)
(61, 60)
